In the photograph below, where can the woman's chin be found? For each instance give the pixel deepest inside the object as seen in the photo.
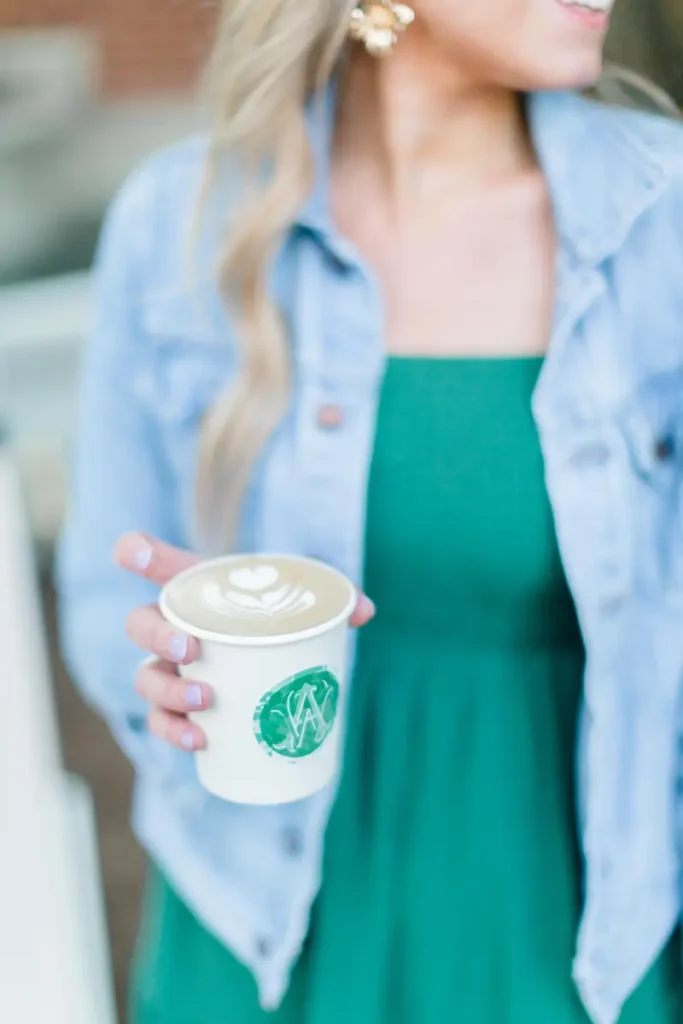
(581, 74)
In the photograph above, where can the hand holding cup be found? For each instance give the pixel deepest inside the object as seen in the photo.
(178, 695)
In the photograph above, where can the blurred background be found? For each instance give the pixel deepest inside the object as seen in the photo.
(87, 88)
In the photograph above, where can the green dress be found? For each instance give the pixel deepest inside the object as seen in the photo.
(452, 876)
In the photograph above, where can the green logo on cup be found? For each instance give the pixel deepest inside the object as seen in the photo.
(296, 717)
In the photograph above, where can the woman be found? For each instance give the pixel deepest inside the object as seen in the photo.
(405, 205)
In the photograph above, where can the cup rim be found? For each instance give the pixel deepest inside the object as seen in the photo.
(256, 641)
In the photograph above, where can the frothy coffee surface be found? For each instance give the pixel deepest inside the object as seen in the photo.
(258, 596)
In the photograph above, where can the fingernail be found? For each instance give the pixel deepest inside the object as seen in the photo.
(366, 606)
(187, 739)
(177, 647)
(194, 698)
(143, 557)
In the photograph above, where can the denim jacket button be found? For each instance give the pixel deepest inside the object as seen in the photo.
(665, 448)
(293, 842)
(330, 417)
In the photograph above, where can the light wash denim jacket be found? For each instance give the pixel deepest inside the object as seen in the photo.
(609, 409)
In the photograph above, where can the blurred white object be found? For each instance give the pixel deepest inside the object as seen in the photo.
(42, 328)
(54, 960)
(45, 314)
(46, 80)
(64, 150)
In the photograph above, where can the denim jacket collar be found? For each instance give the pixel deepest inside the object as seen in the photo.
(316, 213)
(587, 148)
(584, 147)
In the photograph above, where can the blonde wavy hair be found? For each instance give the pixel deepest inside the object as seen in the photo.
(269, 57)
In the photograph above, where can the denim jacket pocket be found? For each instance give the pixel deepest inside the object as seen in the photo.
(652, 424)
(186, 364)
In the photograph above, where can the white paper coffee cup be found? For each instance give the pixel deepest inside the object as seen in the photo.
(273, 634)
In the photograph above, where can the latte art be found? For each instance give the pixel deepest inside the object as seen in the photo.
(271, 603)
(258, 596)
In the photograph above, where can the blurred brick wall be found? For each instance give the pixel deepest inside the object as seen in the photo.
(159, 45)
(147, 45)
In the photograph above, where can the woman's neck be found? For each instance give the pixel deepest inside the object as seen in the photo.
(420, 126)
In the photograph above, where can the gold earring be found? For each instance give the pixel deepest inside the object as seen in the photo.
(378, 23)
